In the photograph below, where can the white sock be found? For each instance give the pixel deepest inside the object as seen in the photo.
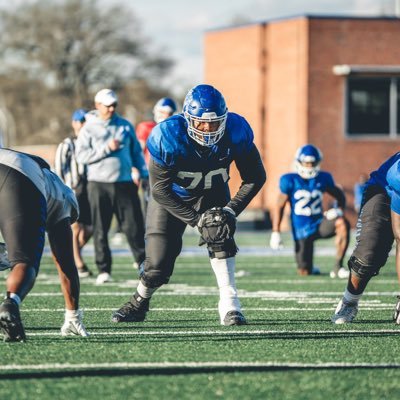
(224, 271)
(15, 297)
(351, 298)
(72, 315)
(145, 291)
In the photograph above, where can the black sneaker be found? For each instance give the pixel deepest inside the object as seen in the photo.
(234, 318)
(133, 311)
(396, 312)
(84, 271)
(10, 322)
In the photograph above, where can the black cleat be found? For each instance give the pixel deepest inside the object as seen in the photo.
(396, 312)
(133, 311)
(10, 322)
(234, 318)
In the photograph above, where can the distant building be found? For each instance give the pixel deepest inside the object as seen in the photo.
(330, 81)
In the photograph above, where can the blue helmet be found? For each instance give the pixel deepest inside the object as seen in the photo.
(163, 109)
(308, 154)
(205, 104)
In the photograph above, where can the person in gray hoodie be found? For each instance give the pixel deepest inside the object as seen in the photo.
(107, 143)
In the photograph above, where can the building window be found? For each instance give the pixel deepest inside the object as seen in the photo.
(373, 106)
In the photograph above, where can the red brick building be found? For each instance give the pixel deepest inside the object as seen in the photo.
(330, 81)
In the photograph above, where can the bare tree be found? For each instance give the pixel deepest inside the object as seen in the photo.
(71, 48)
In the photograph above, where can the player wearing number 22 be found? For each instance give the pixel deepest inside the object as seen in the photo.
(304, 192)
(191, 154)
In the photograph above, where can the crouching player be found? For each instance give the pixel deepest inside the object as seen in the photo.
(34, 200)
(377, 226)
(191, 155)
(304, 191)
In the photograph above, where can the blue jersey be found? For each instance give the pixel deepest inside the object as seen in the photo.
(198, 169)
(305, 197)
(387, 176)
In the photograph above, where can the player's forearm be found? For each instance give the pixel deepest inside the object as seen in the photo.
(339, 195)
(243, 197)
(161, 190)
(70, 289)
(276, 217)
(173, 204)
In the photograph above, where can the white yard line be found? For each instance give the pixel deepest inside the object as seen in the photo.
(207, 291)
(191, 309)
(193, 365)
(194, 250)
(140, 331)
(46, 280)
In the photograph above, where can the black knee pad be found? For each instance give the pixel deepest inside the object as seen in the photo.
(361, 270)
(154, 279)
(222, 251)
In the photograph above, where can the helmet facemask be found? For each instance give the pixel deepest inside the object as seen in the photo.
(206, 113)
(308, 172)
(308, 161)
(215, 130)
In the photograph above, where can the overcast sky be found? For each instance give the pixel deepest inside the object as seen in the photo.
(179, 25)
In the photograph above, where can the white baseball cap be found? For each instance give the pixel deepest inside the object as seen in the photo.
(106, 97)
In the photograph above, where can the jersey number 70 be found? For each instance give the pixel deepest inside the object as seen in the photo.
(197, 177)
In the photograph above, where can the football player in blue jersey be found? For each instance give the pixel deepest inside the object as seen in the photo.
(304, 192)
(378, 226)
(191, 154)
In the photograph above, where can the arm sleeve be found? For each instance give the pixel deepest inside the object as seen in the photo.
(253, 176)
(161, 179)
(338, 194)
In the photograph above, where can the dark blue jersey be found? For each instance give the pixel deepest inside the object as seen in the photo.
(184, 173)
(305, 197)
(198, 168)
(387, 176)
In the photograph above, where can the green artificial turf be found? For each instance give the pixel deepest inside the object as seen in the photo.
(289, 350)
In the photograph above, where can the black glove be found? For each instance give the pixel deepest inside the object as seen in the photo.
(216, 226)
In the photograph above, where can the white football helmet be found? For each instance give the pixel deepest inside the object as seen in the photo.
(311, 156)
(163, 109)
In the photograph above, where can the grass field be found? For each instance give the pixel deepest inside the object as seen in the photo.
(289, 350)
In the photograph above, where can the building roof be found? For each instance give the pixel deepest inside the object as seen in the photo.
(310, 16)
